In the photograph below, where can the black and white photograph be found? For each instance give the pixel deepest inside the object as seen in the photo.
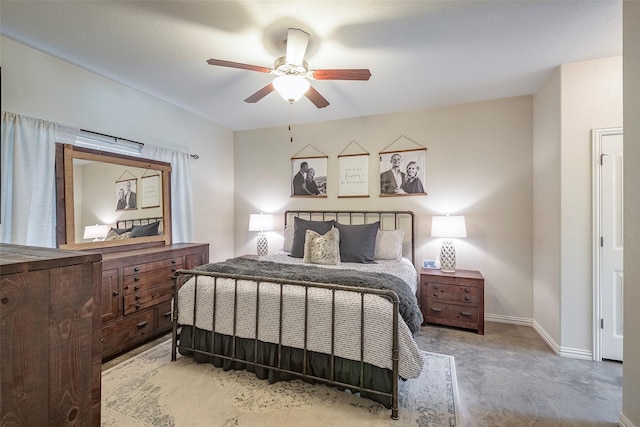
(402, 173)
(126, 194)
(309, 177)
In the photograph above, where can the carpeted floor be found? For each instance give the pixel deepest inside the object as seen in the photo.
(149, 390)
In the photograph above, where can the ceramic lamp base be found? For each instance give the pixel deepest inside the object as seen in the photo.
(448, 257)
(263, 246)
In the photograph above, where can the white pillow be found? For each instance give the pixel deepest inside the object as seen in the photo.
(322, 248)
(389, 244)
(288, 238)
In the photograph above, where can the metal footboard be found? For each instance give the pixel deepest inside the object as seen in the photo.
(182, 275)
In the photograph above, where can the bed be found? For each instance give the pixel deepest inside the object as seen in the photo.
(347, 323)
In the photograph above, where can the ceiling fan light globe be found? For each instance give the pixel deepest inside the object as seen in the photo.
(291, 88)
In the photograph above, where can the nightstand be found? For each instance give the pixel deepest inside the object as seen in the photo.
(452, 299)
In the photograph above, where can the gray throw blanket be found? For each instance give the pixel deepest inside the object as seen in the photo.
(250, 267)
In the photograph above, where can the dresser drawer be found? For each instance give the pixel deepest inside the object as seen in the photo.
(175, 262)
(164, 315)
(141, 281)
(458, 313)
(147, 297)
(456, 293)
(119, 336)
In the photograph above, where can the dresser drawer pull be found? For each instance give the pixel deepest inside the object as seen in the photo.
(435, 286)
(136, 279)
(136, 288)
(173, 261)
(467, 298)
(435, 295)
(167, 314)
(466, 313)
(136, 269)
(173, 270)
(138, 297)
(115, 293)
(436, 309)
(141, 324)
(466, 290)
(137, 306)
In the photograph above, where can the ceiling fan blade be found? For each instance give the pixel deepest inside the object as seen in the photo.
(354, 74)
(297, 41)
(315, 97)
(260, 94)
(239, 65)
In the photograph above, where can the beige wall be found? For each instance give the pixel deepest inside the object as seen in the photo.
(591, 97)
(41, 86)
(631, 380)
(546, 210)
(478, 164)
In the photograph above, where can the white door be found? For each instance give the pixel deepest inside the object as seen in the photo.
(612, 277)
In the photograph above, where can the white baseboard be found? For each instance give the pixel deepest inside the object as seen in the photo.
(574, 353)
(624, 421)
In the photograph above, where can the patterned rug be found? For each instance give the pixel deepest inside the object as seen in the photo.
(150, 390)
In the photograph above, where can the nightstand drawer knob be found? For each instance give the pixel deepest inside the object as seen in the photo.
(435, 295)
(136, 288)
(466, 290)
(115, 293)
(466, 298)
(436, 309)
(466, 313)
(136, 269)
(167, 314)
(138, 297)
(136, 279)
(435, 286)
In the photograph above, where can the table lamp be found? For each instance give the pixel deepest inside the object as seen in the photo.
(96, 232)
(448, 227)
(261, 222)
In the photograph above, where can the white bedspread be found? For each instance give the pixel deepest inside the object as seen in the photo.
(377, 313)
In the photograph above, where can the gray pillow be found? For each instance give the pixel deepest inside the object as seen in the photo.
(358, 242)
(300, 227)
(145, 230)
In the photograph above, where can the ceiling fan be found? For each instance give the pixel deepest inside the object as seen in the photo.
(294, 74)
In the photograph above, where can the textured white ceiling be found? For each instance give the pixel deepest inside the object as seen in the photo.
(421, 54)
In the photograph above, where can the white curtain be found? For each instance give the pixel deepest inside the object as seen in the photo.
(181, 197)
(28, 199)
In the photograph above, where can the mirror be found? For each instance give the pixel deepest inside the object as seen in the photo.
(112, 191)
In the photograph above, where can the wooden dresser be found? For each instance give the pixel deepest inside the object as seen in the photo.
(453, 299)
(137, 288)
(50, 368)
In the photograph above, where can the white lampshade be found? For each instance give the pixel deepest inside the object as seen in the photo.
(260, 222)
(96, 232)
(448, 226)
(291, 87)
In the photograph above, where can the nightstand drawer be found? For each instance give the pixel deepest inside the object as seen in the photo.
(439, 291)
(460, 313)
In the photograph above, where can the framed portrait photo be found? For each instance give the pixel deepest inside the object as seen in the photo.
(126, 194)
(402, 173)
(309, 176)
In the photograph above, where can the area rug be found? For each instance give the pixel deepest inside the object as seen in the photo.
(150, 390)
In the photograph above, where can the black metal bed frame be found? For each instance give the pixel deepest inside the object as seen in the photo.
(181, 275)
(127, 223)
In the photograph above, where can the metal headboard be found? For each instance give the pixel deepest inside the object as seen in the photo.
(389, 220)
(128, 223)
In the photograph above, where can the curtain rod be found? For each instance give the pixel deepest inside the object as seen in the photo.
(116, 138)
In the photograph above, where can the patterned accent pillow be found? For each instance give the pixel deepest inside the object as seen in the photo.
(322, 248)
(113, 235)
(389, 244)
(288, 238)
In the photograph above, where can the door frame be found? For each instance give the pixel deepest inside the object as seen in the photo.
(596, 144)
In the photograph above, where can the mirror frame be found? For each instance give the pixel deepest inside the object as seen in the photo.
(65, 232)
